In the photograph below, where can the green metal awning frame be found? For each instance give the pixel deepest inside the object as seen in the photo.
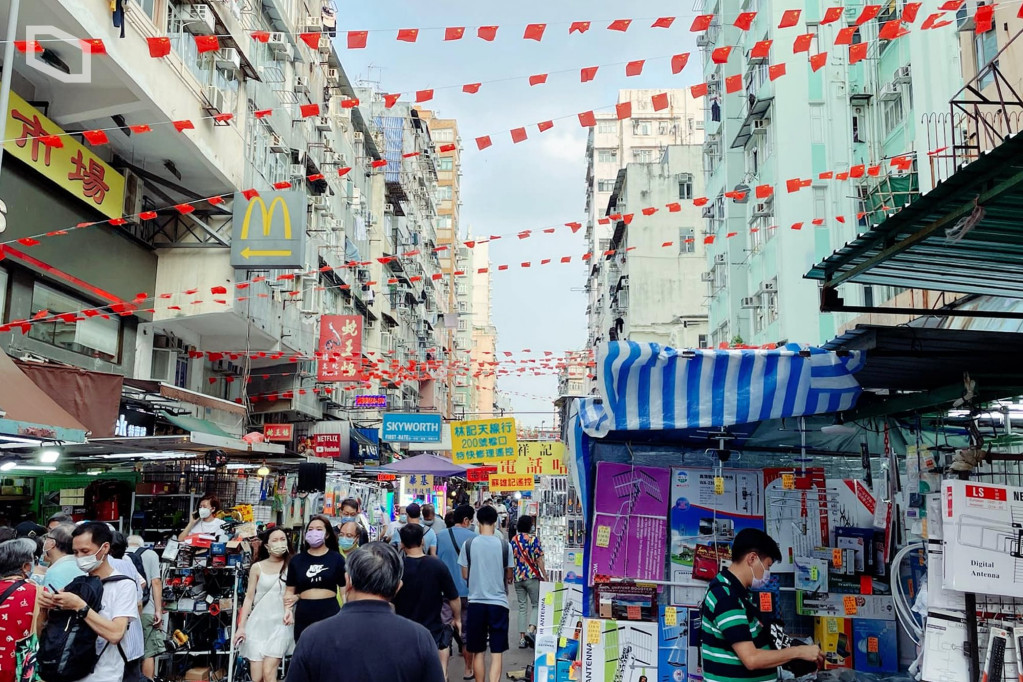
(910, 248)
(190, 424)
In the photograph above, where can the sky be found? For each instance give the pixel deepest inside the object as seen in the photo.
(540, 182)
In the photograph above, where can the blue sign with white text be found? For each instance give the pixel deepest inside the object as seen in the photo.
(411, 428)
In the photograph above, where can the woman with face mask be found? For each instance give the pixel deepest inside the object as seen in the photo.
(263, 637)
(17, 599)
(314, 576)
(204, 520)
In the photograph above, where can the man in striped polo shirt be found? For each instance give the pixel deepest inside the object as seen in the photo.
(735, 646)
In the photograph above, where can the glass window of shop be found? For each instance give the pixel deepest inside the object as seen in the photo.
(95, 336)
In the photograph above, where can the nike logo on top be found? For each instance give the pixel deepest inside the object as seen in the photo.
(315, 570)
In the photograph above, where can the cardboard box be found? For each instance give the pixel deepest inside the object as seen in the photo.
(835, 638)
(204, 675)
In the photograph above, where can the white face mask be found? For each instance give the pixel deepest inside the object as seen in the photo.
(204, 513)
(761, 582)
(89, 562)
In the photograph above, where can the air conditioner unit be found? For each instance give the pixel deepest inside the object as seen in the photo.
(302, 85)
(762, 210)
(215, 97)
(702, 41)
(358, 138)
(902, 75)
(164, 366)
(388, 209)
(760, 126)
(324, 44)
(133, 190)
(770, 286)
(323, 123)
(706, 276)
(280, 47)
(229, 59)
(889, 92)
(312, 24)
(298, 170)
(720, 259)
(277, 145)
(708, 212)
(748, 302)
(220, 366)
(319, 202)
(334, 76)
(200, 20)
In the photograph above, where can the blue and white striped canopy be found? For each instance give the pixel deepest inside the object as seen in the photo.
(644, 386)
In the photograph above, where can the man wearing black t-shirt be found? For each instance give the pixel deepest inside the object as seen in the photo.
(426, 583)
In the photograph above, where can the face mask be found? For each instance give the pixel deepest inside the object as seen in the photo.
(346, 543)
(278, 548)
(204, 513)
(403, 518)
(89, 562)
(348, 519)
(315, 538)
(761, 582)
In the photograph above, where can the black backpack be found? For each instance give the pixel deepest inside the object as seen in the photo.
(67, 647)
(136, 558)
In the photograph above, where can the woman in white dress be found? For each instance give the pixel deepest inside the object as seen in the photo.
(263, 637)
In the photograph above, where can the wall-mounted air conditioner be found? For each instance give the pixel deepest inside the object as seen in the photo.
(902, 75)
(199, 20)
(760, 126)
(706, 276)
(277, 145)
(229, 59)
(748, 302)
(889, 92)
(323, 123)
(215, 99)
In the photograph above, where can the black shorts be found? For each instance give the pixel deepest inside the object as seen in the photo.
(487, 622)
(309, 611)
(443, 637)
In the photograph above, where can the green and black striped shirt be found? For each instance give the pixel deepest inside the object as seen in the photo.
(728, 620)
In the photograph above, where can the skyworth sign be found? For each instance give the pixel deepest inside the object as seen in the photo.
(411, 428)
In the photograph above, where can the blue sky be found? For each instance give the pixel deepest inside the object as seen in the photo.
(537, 183)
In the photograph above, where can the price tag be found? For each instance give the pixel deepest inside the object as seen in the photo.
(603, 536)
(849, 605)
(788, 481)
(600, 579)
(548, 598)
(670, 616)
(563, 642)
(633, 613)
(766, 605)
(872, 645)
(550, 658)
(719, 485)
(593, 632)
(578, 558)
(832, 625)
(836, 558)
(814, 574)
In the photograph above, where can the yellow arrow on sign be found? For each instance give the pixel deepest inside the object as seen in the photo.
(253, 253)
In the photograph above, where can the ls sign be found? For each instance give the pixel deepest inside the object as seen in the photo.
(268, 231)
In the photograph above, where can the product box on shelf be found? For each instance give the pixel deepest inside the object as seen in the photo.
(619, 651)
(678, 644)
(835, 638)
(875, 646)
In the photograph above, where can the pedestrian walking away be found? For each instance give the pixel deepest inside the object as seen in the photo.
(262, 636)
(449, 547)
(152, 607)
(335, 650)
(487, 565)
(529, 571)
(414, 514)
(314, 577)
(426, 587)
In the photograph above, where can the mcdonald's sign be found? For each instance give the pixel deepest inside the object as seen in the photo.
(269, 231)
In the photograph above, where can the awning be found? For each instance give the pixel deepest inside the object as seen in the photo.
(30, 412)
(93, 398)
(425, 464)
(190, 424)
(932, 244)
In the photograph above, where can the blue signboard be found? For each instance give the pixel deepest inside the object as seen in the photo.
(411, 428)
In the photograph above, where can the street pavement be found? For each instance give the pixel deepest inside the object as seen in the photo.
(515, 659)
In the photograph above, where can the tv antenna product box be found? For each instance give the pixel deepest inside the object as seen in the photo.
(982, 526)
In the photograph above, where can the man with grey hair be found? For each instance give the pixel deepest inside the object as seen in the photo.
(59, 554)
(152, 609)
(59, 519)
(373, 577)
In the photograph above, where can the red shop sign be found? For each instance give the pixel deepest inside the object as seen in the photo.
(278, 432)
(479, 474)
(327, 444)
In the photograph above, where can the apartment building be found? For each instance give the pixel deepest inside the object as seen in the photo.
(613, 144)
(835, 121)
(370, 230)
(484, 336)
(572, 372)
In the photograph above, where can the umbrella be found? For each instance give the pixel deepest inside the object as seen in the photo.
(425, 464)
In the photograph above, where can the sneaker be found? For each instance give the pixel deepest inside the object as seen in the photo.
(522, 642)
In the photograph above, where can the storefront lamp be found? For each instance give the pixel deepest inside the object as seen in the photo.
(8, 464)
(263, 471)
(49, 455)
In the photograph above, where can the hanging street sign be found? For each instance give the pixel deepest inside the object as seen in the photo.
(269, 231)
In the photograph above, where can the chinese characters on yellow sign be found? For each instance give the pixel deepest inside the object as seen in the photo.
(41, 144)
(483, 440)
(419, 486)
(534, 459)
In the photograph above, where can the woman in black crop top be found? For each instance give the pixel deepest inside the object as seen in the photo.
(314, 577)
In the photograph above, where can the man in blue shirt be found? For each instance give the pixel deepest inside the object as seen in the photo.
(413, 513)
(59, 552)
(449, 547)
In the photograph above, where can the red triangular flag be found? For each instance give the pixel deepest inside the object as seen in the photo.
(579, 27)
(720, 54)
(424, 95)
(483, 142)
(588, 74)
(802, 42)
(832, 14)
(158, 47)
(699, 90)
(408, 35)
(817, 61)
(634, 68)
(379, 163)
(207, 44)
(869, 12)
(587, 119)
(660, 101)
(745, 20)
(487, 33)
(624, 110)
(538, 79)
(544, 126)
(620, 25)
(357, 39)
(471, 88)
(776, 71)
(701, 22)
(761, 50)
(95, 137)
(733, 83)
(454, 33)
(309, 110)
(663, 22)
(518, 135)
(391, 100)
(310, 39)
(679, 61)
(534, 32)
(789, 18)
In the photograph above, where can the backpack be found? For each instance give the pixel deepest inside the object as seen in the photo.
(67, 647)
(136, 558)
(468, 555)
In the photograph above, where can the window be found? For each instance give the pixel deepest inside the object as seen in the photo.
(607, 156)
(856, 129)
(444, 222)
(687, 240)
(148, 8)
(607, 127)
(605, 185)
(986, 46)
(94, 336)
(642, 128)
(664, 127)
(893, 115)
(463, 325)
(701, 341)
(643, 155)
(685, 186)
(443, 193)
(443, 135)
(446, 163)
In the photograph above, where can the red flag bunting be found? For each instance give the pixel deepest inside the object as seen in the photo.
(444, 148)
(341, 172)
(817, 61)
(951, 5)
(207, 44)
(857, 52)
(454, 33)
(579, 27)
(518, 135)
(733, 83)
(720, 54)
(802, 42)
(379, 163)
(663, 22)
(391, 100)
(679, 61)
(250, 194)
(634, 68)
(284, 184)
(95, 137)
(309, 110)
(408, 35)
(620, 25)
(544, 126)
(182, 126)
(832, 14)
(891, 30)
(660, 101)
(140, 129)
(701, 23)
(764, 191)
(761, 50)
(910, 11)
(147, 215)
(587, 119)
(349, 103)
(471, 88)
(483, 142)
(538, 79)
(262, 113)
(23, 46)
(984, 18)
(260, 36)
(424, 95)
(357, 39)
(312, 40)
(869, 12)
(744, 21)
(158, 47)
(845, 35)
(534, 32)
(698, 90)
(588, 74)
(673, 207)
(776, 71)
(487, 33)
(623, 110)
(789, 18)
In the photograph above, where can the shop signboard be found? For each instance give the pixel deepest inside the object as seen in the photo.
(479, 474)
(387, 477)
(269, 231)
(534, 458)
(509, 483)
(483, 440)
(340, 348)
(134, 423)
(411, 428)
(370, 402)
(327, 445)
(419, 486)
(71, 166)
(279, 433)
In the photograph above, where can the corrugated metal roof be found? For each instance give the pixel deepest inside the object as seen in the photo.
(911, 249)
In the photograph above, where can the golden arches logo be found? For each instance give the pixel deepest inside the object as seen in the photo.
(267, 215)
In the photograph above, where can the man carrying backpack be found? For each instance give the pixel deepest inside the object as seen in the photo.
(148, 564)
(86, 622)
